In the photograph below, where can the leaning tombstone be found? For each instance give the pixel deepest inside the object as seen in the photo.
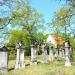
(67, 55)
(3, 59)
(51, 53)
(44, 53)
(33, 55)
(20, 56)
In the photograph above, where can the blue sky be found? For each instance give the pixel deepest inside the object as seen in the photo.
(47, 7)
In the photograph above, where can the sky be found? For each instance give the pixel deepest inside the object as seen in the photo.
(47, 7)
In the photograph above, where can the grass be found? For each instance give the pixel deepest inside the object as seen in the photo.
(51, 68)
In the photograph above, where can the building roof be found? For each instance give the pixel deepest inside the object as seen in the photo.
(58, 40)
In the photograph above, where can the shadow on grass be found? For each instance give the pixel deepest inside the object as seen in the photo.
(25, 65)
(10, 69)
(14, 68)
(38, 62)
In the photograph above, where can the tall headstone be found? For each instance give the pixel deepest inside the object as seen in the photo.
(56, 52)
(3, 59)
(33, 55)
(67, 55)
(60, 55)
(44, 53)
(71, 54)
(51, 53)
(20, 56)
(63, 53)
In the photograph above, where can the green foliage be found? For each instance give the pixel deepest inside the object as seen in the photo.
(27, 16)
(63, 12)
(72, 41)
(19, 35)
(3, 21)
(62, 20)
(62, 16)
(40, 38)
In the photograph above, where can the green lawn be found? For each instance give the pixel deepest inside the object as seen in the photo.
(51, 68)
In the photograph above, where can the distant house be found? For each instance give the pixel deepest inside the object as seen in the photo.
(55, 40)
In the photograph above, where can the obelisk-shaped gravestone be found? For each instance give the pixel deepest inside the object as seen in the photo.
(3, 59)
(51, 55)
(33, 55)
(67, 55)
(44, 53)
(20, 56)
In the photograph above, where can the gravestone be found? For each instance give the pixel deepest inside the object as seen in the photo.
(3, 59)
(71, 54)
(44, 54)
(51, 54)
(63, 53)
(67, 55)
(56, 52)
(33, 55)
(60, 56)
(20, 56)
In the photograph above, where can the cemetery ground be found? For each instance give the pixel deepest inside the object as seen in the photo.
(50, 68)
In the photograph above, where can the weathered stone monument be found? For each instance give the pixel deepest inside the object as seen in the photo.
(20, 56)
(63, 53)
(60, 54)
(55, 52)
(67, 55)
(44, 53)
(51, 54)
(3, 59)
(33, 55)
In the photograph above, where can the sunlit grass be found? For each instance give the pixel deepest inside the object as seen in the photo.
(51, 68)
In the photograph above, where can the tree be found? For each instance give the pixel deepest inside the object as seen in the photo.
(70, 16)
(17, 36)
(22, 14)
(28, 17)
(62, 18)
